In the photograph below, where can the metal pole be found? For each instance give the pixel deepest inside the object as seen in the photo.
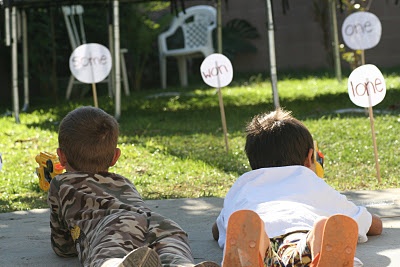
(25, 59)
(219, 25)
(14, 60)
(7, 26)
(335, 40)
(111, 79)
(117, 66)
(272, 56)
(110, 20)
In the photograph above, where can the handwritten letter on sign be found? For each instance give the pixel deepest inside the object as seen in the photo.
(366, 86)
(361, 30)
(90, 63)
(216, 70)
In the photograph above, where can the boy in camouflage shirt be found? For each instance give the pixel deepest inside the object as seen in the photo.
(100, 216)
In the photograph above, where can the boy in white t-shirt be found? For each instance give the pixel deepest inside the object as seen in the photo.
(306, 222)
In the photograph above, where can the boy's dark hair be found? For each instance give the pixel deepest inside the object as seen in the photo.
(277, 139)
(88, 137)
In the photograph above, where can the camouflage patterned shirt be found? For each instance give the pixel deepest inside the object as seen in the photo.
(100, 216)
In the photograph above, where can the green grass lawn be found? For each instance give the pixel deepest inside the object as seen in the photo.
(173, 146)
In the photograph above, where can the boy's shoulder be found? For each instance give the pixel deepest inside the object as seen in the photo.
(93, 184)
(78, 178)
(273, 178)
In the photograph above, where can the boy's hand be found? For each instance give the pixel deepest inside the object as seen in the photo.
(376, 226)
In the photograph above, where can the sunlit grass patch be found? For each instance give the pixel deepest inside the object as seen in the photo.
(173, 145)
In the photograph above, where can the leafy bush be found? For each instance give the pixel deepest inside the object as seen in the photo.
(236, 38)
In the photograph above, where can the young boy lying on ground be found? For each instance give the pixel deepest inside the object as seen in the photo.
(100, 216)
(281, 213)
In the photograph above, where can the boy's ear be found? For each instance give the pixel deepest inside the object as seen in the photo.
(61, 157)
(117, 153)
(309, 159)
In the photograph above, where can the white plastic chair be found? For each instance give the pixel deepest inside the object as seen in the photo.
(73, 16)
(197, 24)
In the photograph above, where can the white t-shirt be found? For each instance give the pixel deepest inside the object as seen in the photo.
(288, 199)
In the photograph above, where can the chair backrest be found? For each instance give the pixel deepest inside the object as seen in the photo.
(197, 23)
(73, 16)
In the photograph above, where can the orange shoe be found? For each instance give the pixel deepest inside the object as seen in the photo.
(246, 240)
(339, 243)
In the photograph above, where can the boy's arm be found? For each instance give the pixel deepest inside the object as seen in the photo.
(61, 239)
(215, 231)
(129, 194)
(376, 226)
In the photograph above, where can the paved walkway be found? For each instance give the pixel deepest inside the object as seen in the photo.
(24, 236)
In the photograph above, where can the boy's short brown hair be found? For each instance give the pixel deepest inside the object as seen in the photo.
(88, 137)
(277, 139)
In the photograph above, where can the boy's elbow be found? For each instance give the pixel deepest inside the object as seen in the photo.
(215, 231)
(376, 226)
(64, 254)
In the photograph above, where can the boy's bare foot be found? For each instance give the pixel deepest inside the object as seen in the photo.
(339, 243)
(246, 240)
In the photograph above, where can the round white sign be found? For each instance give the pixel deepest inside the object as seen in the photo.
(90, 63)
(361, 30)
(366, 86)
(216, 70)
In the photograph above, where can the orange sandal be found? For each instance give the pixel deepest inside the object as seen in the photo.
(339, 243)
(246, 240)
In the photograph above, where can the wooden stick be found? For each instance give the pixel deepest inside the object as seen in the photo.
(94, 95)
(371, 118)
(222, 110)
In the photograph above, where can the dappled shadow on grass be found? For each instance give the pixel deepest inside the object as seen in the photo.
(329, 104)
(187, 114)
(188, 126)
(54, 114)
(207, 119)
(201, 113)
(185, 126)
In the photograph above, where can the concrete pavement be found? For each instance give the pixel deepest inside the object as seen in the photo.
(24, 235)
